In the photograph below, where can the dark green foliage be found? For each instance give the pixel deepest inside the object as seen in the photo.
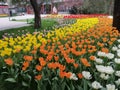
(73, 10)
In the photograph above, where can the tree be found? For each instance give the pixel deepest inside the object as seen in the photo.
(97, 6)
(116, 14)
(36, 4)
(73, 10)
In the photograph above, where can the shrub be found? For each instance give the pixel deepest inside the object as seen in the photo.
(73, 10)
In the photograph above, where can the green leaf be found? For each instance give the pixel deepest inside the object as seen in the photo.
(63, 86)
(4, 67)
(72, 86)
(44, 87)
(47, 79)
(79, 88)
(85, 84)
(89, 83)
(16, 76)
(68, 88)
(12, 80)
(4, 73)
(25, 84)
(27, 77)
(55, 78)
(103, 89)
(55, 86)
(17, 65)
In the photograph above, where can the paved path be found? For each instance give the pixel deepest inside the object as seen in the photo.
(5, 23)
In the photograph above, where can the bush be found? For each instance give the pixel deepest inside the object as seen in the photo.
(73, 10)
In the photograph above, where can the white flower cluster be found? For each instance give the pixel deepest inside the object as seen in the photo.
(105, 69)
(114, 48)
(104, 76)
(118, 40)
(103, 54)
(110, 87)
(118, 52)
(96, 85)
(119, 46)
(117, 73)
(117, 82)
(86, 75)
(110, 55)
(99, 60)
(73, 77)
(117, 60)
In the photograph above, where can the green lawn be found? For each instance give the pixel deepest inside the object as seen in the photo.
(47, 24)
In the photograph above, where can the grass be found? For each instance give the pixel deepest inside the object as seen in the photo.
(47, 24)
(29, 21)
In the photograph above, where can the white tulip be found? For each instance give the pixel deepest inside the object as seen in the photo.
(96, 85)
(73, 77)
(117, 73)
(101, 54)
(117, 82)
(117, 60)
(105, 69)
(110, 55)
(118, 54)
(99, 60)
(119, 46)
(104, 76)
(118, 50)
(114, 48)
(118, 40)
(110, 87)
(86, 75)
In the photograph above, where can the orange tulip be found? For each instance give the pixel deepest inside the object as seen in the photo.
(65, 74)
(38, 67)
(61, 67)
(33, 51)
(105, 50)
(56, 58)
(76, 65)
(25, 65)
(92, 58)
(85, 62)
(38, 77)
(9, 61)
(80, 75)
(41, 59)
(28, 58)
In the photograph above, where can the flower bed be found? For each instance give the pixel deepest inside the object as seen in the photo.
(67, 16)
(85, 16)
(78, 60)
(26, 43)
(54, 16)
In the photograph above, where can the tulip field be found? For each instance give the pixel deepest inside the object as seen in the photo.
(84, 55)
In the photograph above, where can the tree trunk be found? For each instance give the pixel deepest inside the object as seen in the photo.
(37, 9)
(116, 14)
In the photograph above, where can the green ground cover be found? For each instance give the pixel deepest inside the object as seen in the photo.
(47, 24)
